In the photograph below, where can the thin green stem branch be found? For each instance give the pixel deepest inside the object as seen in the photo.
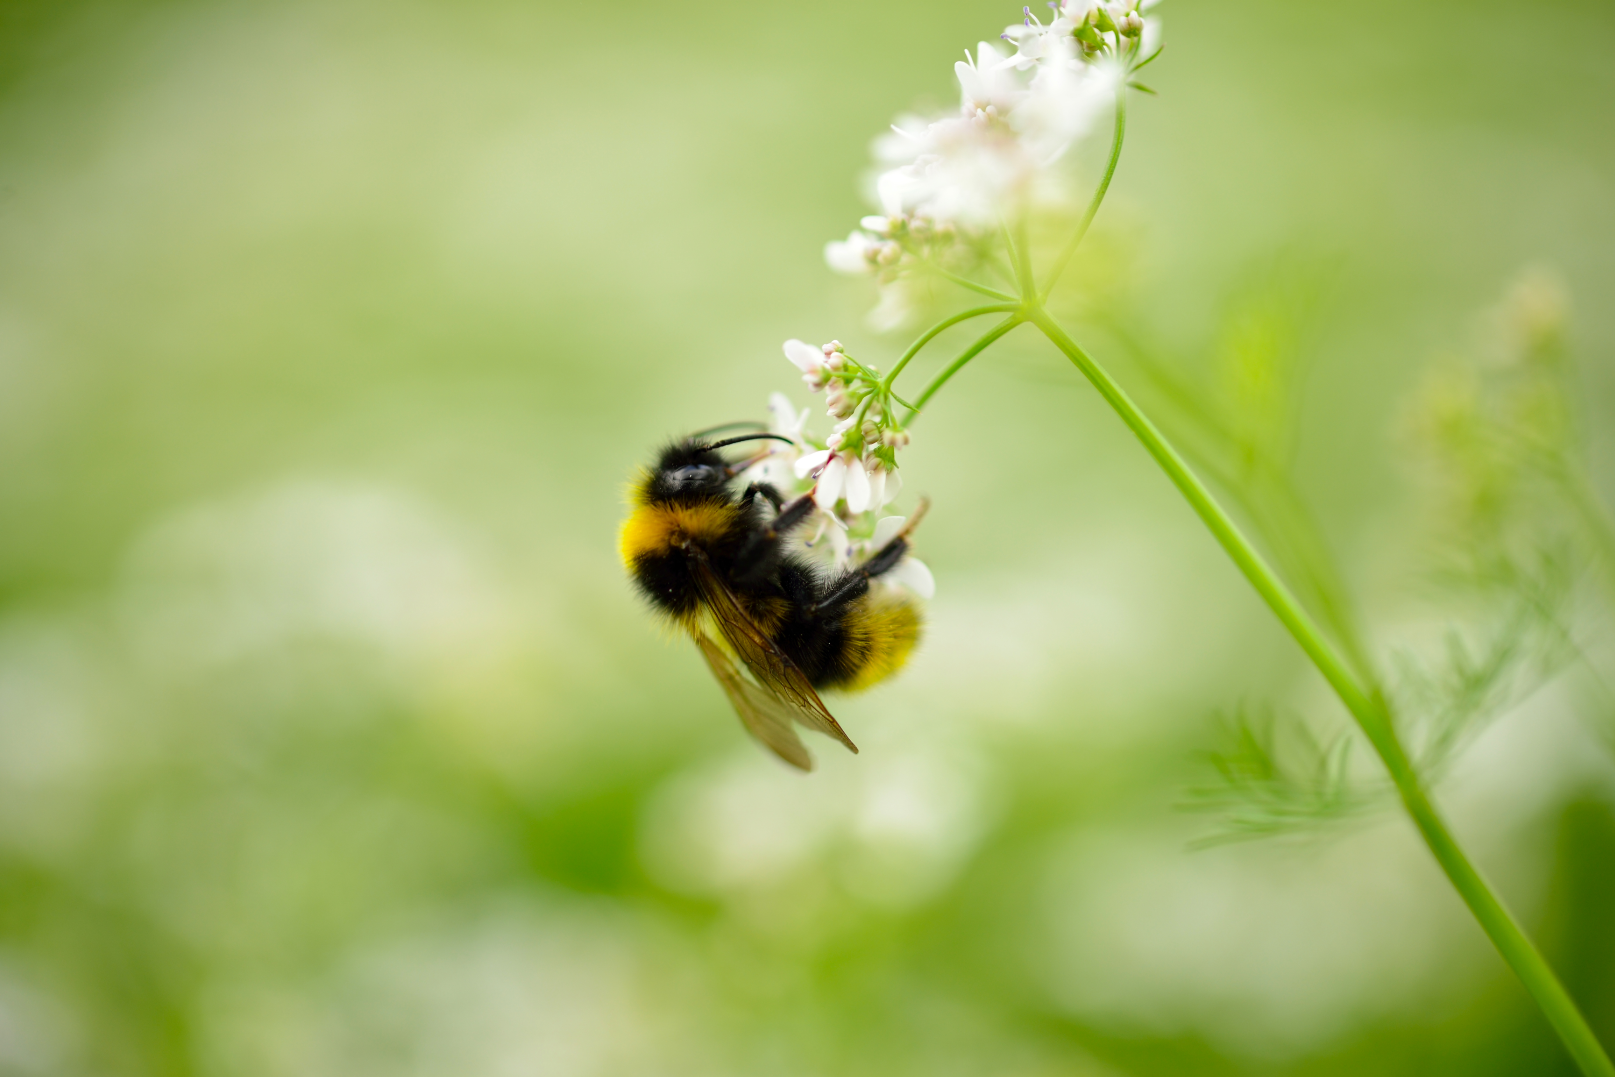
(964, 357)
(1369, 710)
(1098, 196)
(940, 327)
(966, 282)
(1018, 258)
(1023, 245)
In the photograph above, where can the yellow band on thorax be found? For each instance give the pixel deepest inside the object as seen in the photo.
(658, 529)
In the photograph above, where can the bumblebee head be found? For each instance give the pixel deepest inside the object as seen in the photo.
(690, 470)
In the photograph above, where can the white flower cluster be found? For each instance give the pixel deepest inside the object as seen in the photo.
(951, 181)
(858, 462)
(852, 474)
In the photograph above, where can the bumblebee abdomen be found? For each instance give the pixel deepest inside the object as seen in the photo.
(881, 632)
(869, 642)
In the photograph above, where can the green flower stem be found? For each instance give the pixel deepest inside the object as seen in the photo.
(1020, 258)
(1098, 195)
(968, 354)
(1367, 708)
(940, 327)
(966, 282)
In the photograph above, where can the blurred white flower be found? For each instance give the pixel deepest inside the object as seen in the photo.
(949, 182)
(861, 253)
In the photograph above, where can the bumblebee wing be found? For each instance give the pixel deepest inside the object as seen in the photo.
(764, 715)
(775, 672)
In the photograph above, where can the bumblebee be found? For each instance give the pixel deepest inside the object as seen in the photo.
(721, 567)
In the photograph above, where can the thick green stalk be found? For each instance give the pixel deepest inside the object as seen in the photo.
(1367, 708)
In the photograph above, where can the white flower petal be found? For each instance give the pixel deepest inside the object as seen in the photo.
(783, 414)
(857, 487)
(840, 545)
(850, 255)
(892, 188)
(886, 530)
(775, 470)
(877, 487)
(894, 485)
(831, 481)
(811, 462)
(973, 90)
(912, 573)
(805, 356)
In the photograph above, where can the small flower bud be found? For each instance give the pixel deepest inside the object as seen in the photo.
(895, 438)
(840, 402)
(888, 253)
(871, 432)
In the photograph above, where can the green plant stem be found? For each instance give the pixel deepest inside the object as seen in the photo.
(966, 282)
(968, 354)
(946, 324)
(1019, 259)
(1098, 196)
(1368, 709)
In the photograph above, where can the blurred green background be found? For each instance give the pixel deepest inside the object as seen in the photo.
(333, 742)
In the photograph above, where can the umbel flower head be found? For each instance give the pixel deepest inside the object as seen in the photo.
(851, 474)
(948, 183)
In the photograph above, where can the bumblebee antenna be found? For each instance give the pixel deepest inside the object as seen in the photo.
(728, 426)
(749, 437)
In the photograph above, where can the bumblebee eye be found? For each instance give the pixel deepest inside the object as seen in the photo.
(693, 475)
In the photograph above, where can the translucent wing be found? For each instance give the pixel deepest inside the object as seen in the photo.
(762, 713)
(776, 674)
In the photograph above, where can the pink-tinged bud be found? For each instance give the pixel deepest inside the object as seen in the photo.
(840, 402)
(887, 254)
(895, 439)
(870, 431)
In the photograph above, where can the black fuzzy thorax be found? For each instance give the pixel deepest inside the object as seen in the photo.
(760, 574)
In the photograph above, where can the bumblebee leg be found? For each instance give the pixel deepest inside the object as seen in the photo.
(767, 490)
(760, 552)
(855, 583)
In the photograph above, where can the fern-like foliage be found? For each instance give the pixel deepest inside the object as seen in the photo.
(1277, 777)
(1518, 540)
